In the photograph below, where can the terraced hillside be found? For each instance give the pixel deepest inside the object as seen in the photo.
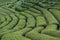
(29, 20)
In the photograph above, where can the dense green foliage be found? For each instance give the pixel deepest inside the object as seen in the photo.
(29, 20)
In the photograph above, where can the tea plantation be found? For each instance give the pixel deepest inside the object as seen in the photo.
(29, 19)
